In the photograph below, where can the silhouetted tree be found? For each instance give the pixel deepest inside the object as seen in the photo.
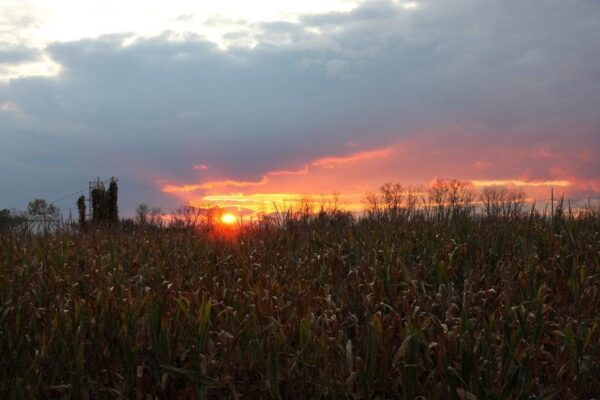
(112, 202)
(99, 203)
(81, 209)
(41, 207)
(4, 218)
(142, 212)
(156, 215)
(9, 220)
(105, 207)
(500, 201)
(451, 198)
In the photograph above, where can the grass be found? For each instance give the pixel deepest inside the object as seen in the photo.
(399, 304)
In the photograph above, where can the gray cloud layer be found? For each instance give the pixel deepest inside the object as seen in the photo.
(156, 107)
(17, 54)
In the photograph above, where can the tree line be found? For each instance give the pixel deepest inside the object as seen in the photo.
(442, 200)
(104, 208)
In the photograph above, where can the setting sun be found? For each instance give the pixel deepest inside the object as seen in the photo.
(228, 218)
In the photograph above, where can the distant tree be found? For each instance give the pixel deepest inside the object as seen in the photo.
(141, 213)
(192, 217)
(4, 218)
(81, 209)
(41, 207)
(127, 224)
(156, 216)
(98, 202)
(112, 212)
(500, 201)
(392, 201)
(450, 197)
(10, 219)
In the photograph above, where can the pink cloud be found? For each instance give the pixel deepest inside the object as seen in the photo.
(301, 171)
(565, 164)
(214, 184)
(331, 162)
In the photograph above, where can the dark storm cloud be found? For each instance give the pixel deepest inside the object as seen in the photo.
(155, 108)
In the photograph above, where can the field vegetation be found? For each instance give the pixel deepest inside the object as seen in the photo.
(424, 296)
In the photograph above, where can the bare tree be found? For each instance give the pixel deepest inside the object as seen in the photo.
(373, 204)
(451, 197)
(156, 216)
(500, 201)
(392, 197)
(141, 213)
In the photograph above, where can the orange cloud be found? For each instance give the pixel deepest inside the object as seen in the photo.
(585, 186)
(213, 184)
(266, 203)
(285, 188)
(481, 164)
(301, 171)
(412, 161)
(327, 162)
(518, 182)
(263, 198)
(331, 162)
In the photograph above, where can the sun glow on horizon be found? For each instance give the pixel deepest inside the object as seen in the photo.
(228, 218)
(343, 181)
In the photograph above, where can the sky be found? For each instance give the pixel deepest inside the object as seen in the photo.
(246, 104)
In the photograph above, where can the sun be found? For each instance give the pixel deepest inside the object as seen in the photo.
(228, 218)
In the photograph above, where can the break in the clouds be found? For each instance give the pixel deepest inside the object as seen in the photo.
(482, 91)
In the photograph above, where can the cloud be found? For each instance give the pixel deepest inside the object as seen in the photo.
(332, 162)
(518, 182)
(375, 11)
(17, 54)
(301, 171)
(10, 107)
(453, 88)
(16, 21)
(215, 184)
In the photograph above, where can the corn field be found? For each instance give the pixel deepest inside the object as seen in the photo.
(396, 304)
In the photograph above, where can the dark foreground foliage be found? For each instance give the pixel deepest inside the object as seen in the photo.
(390, 306)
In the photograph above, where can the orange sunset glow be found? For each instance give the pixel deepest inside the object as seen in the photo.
(355, 173)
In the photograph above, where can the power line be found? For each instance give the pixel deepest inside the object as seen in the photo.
(127, 205)
(73, 194)
(162, 208)
(66, 197)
